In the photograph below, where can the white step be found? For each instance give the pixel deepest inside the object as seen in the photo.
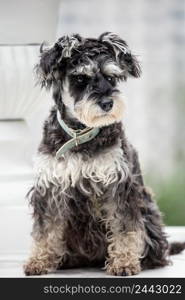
(10, 172)
(14, 193)
(15, 224)
(15, 141)
(14, 168)
(13, 130)
(15, 151)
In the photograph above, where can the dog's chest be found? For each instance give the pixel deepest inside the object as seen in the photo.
(75, 169)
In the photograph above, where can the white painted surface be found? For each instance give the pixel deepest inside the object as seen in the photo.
(15, 224)
(20, 95)
(11, 264)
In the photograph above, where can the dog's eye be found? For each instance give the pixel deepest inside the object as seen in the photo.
(81, 78)
(111, 79)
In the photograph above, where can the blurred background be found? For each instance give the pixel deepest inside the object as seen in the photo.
(154, 121)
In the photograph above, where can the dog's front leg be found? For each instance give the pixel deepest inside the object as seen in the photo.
(49, 246)
(47, 253)
(125, 236)
(124, 252)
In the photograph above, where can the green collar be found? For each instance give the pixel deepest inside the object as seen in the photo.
(78, 136)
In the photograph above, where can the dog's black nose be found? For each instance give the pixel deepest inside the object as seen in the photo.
(106, 104)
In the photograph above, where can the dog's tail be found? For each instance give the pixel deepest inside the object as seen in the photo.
(176, 247)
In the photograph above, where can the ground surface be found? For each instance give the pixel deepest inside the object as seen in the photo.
(12, 266)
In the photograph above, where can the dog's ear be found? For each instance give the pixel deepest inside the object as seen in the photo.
(54, 59)
(123, 55)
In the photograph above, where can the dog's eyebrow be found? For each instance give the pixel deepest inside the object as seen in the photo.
(87, 69)
(112, 69)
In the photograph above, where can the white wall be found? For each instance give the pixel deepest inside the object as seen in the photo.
(24, 21)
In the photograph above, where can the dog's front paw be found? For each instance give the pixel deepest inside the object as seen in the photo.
(35, 267)
(119, 270)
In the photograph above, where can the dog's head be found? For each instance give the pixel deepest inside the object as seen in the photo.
(85, 74)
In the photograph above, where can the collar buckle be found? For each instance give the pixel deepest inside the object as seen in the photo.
(77, 136)
(76, 139)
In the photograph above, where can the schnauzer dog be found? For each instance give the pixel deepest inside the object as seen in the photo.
(90, 204)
